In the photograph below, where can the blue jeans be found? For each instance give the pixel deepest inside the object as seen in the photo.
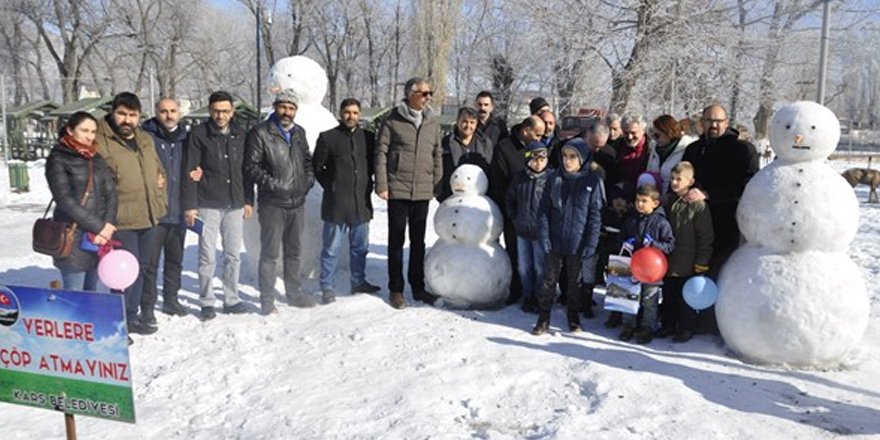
(81, 281)
(531, 258)
(358, 241)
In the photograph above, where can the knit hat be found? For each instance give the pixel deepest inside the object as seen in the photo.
(536, 104)
(535, 148)
(287, 95)
(578, 146)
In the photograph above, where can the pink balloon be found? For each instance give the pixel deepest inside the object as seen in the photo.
(118, 269)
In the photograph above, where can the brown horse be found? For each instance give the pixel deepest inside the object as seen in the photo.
(864, 176)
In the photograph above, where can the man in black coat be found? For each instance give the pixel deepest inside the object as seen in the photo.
(507, 160)
(492, 128)
(277, 160)
(723, 165)
(221, 199)
(343, 164)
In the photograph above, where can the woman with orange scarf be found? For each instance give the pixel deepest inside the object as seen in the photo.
(75, 172)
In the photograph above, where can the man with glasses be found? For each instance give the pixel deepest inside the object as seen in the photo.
(409, 165)
(723, 164)
(221, 199)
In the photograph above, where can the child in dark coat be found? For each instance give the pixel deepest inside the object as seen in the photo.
(570, 221)
(646, 227)
(522, 202)
(692, 226)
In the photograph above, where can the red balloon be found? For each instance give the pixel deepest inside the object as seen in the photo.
(649, 265)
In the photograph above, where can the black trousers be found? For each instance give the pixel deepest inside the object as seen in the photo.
(675, 314)
(510, 248)
(415, 214)
(552, 270)
(169, 239)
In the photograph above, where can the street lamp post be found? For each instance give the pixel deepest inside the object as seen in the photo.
(823, 52)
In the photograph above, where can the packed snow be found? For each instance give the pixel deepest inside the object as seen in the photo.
(358, 369)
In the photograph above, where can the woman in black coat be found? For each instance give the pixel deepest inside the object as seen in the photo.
(67, 171)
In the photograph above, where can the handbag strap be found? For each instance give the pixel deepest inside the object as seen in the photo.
(85, 195)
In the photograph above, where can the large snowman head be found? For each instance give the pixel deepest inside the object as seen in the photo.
(469, 180)
(804, 130)
(301, 74)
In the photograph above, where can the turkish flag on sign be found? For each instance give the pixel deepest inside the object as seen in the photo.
(4, 300)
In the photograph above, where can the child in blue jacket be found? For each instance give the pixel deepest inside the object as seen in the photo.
(570, 222)
(523, 201)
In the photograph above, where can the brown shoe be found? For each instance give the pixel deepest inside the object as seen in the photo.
(396, 300)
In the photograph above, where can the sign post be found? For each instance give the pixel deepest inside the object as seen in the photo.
(65, 351)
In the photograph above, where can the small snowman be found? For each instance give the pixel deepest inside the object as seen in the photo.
(791, 295)
(467, 266)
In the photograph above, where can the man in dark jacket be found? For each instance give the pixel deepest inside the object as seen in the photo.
(222, 198)
(507, 161)
(463, 146)
(278, 161)
(343, 165)
(409, 165)
(491, 127)
(723, 164)
(169, 138)
(140, 185)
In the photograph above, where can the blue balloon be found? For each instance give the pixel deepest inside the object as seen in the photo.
(700, 292)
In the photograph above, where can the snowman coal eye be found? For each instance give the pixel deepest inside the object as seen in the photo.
(813, 127)
(788, 127)
(469, 178)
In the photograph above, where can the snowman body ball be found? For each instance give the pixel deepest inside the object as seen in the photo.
(791, 295)
(466, 266)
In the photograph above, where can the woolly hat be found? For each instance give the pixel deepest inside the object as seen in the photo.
(534, 148)
(287, 95)
(536, 104)
(579, 146)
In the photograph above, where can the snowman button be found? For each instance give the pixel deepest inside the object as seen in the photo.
(798, 184)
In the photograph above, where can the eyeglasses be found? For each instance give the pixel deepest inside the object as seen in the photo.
(542, 154)
(423, 93)
(714, 121)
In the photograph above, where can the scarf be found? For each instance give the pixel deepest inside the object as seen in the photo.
(86, 151)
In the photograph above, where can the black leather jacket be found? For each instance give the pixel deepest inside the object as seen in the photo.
(283, 172)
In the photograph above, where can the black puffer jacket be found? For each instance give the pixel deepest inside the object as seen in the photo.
(343, 164)
(223, 185)
(283, 172)
(524, 200)
(67, 173)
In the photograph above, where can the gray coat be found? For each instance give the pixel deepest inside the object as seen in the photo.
(409, 159)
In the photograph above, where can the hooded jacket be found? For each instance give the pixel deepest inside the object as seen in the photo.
(570, 219)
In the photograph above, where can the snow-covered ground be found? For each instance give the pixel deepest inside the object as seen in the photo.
(358, 369)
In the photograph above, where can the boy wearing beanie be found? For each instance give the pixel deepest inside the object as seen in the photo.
(522, 202)
(570, 219)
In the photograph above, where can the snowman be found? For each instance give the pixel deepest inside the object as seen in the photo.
(309, 81)
(791, 295)
(466, 266)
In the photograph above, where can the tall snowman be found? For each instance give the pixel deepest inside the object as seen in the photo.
(791, 295)
(466, 266)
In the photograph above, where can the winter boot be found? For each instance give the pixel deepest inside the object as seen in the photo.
(425, 297)
(543, 325)
(301, 300)
(148, 317)
(644, 335)
(171, 306)
(397, 301)
(574, 321)
(327, 296)
(627, 333)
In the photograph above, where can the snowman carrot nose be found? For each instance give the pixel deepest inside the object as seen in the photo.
(798, 139)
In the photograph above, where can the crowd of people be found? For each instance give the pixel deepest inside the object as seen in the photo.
(568, 203)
